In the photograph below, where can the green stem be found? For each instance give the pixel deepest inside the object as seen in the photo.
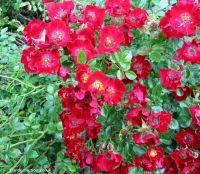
(22, 142)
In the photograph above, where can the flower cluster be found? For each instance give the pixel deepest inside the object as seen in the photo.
(93, 33)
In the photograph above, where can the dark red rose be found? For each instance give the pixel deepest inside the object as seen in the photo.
(146, 138)
(195, 113)
(137, 115)
(138, 95)
(160, 121)
(186, 92)
(170, 79)
(141, 67)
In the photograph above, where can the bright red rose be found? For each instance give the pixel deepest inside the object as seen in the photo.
(136, 18)
(138, 95)
(60, 10)
(167, 29)
(46, 1)
(47, 62)
(145, 163)
(114, 91)
(108, 161)
(141, 67)
(35, 33)
(64, 73)
(28, 61)
(110, 39)
(93, 16)
(83, 73)
(170, 79)
(155, 153)
(58, 33)
(187, 138)
(118, 7)
(186, 92)
(128, 37)
(182, 157)
(146, 138)
(123, 168)
(160, 121)
(195, 113)
(184, 18)
(97, 82)
(192, 168)
(84, 45)
(190, 52)
(137, 115)
(86, 159)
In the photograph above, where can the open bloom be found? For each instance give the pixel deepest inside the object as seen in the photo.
(58, 33)
(160, 121)
(93, 16)
(138, 95)
(118, 7)
(141, 66)
(195, 113)
(110, 39)
(190, 52)
(114, 91)
(60, 10)
(170, 79)
(136, 18)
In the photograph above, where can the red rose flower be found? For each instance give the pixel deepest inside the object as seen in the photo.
(86, 159)
(182, 157)
(128, 37)
(83, 73)
(60, 10)
(141, 67)
(123, 168)
(155, 153)
(107, 161)
(110, 39)
(84, 45)
(167, 29)
(187, 138)
(138, 95)
(97, 82)
(195, 113)
(64, 73)
(136, 18)
(145, 163)
(46, 1)
(186, 92)
(146, 138)
(35, 33)
(160, 121)
(28, 61)
(118, 7)
(58, 33)
(46, 62)
(93, 128)
(93, 16)
(114, 91)
(190, 52)
(184, 18)
(137, 115)
(170, 79)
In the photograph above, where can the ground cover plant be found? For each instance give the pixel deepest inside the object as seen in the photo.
(111, 86)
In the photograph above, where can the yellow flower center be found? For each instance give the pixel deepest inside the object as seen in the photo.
(153, 153)
(84, 77)
(58, 36)
(109, 42)
(110, 91)
(98, 85)
(46, 60)
(185, 18)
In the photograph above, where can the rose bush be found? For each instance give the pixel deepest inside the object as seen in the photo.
(133, 101)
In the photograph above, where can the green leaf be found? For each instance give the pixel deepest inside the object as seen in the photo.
(120, 74)
(82, 57)
(155, 56)
(32, 154)
(131, 75)
(71, 168)
(14, 153)
(174, 125)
